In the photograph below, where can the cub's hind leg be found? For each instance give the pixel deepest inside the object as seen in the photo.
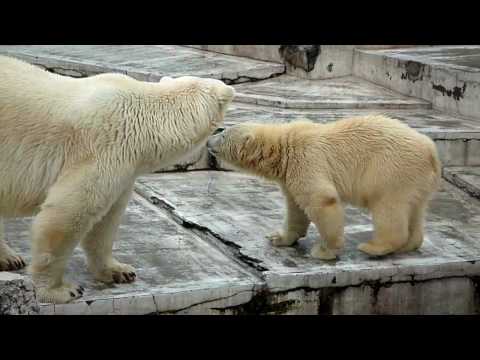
(416, 225)
(390, 218)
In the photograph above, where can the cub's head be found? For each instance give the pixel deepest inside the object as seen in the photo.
(206, 95)
(253, 148)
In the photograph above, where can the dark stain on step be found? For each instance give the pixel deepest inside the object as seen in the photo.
(457, 92)
(300, 56)
(330, 67)
(414, 71)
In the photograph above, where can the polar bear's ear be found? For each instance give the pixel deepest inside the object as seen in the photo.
(225, 93)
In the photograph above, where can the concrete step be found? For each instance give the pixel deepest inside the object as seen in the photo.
(446, 76)
(457, 138)
(143, 62)
(339, 93)
(238, 211)
(466, 178)
(177, 271)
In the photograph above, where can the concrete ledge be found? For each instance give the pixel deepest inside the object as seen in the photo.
(466, 178)
(344, 93)
(446, 76)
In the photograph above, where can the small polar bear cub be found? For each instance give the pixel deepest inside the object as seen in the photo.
(372, 162)
(70, 150)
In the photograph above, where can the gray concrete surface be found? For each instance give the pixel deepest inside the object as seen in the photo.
(175, 268)
(143, 62)
(466, 178)
(446, 76)
(342, 93)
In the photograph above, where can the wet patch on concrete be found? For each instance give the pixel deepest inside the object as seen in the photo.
(413, 71)
(300, 56)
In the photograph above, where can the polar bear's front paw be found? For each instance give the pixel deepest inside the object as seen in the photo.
(60, 295)
(117, 273)
(279, 239)
(323, 253)
(11, 262)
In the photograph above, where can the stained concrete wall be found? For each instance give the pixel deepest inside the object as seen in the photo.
(305, 61)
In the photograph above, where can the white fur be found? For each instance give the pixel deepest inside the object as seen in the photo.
(70, 150)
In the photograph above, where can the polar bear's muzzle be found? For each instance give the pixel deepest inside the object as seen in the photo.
(215, 140)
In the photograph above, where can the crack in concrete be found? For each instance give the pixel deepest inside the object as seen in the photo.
(456, 181)
(230, 248)
(172, 312)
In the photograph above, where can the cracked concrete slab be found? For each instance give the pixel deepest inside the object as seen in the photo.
(143, 62)
(466, 178)
(176, 270)
(240, 210)
(339, 93)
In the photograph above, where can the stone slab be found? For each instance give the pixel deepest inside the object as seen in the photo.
(341, 93)
(143, 62)
(239, 210)
(464, 177)
(176, 270)
(446, 76)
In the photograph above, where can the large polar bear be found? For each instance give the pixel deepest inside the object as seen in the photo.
(70, 150)
(373, 162)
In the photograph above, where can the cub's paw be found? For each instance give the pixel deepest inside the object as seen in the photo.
(279, 239)
(60, 295)
(375, 249)
(117, 273)
(11, 262)
(323, 253)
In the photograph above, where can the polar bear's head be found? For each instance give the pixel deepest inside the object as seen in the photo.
(207, 91)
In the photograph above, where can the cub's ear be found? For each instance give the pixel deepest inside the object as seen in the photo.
(248, 138)
(165, 78)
